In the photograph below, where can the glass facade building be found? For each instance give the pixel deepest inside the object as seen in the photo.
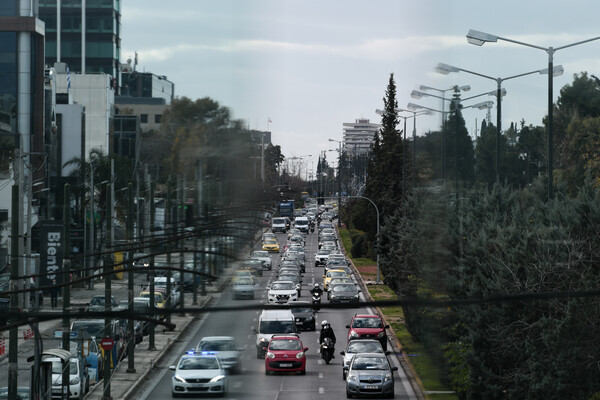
(102, 34)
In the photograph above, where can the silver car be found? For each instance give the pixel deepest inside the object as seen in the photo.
(223, 347)
(357, 346)
(370, 374)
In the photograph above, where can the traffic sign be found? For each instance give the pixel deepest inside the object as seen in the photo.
(107, 343)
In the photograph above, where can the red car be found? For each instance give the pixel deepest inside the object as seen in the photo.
(368, 326)
(285, 353)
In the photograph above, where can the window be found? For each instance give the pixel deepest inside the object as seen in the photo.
(157, 118)
(144, 118)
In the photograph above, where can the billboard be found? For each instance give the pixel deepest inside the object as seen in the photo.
(51, 252)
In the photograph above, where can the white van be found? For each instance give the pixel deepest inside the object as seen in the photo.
(273, 322)
(302, 223)
(279, 224)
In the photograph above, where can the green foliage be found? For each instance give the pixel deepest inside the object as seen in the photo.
(503, 242)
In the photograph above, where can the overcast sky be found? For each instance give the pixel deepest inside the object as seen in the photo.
(312, 65)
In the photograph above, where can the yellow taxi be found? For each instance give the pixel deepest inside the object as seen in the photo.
(160, 301)
(242, 274)
(270, 245)
(333, 273)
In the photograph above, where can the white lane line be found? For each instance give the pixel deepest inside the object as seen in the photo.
(320, 375)
(237, 385)
(321, 390)
(320, 362)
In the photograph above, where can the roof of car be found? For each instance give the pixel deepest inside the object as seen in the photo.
(216, 338)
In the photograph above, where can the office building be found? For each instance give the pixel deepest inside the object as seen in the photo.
(359, 135)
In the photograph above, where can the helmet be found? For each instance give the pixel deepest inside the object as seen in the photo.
(316, 285)
(324, 323)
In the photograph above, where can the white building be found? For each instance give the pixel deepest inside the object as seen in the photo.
(359, 135)
(94, 92)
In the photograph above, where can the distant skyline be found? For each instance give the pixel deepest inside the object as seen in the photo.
(310, 66)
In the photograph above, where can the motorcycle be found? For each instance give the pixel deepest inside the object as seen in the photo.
(316, 301)
(327, 350)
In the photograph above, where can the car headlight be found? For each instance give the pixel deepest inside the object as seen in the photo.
(263, 340)
(217, 378)
(388, 377)
(300, 355)
(380, 335)
(270, 355)
(352, 378)
(74, 381)
(310, 318)
(353, 335)
(178, 378)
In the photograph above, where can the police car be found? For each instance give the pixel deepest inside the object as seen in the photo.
(198, 373)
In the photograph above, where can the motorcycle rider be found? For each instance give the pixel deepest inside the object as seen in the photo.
(327, 332)
(316, 290)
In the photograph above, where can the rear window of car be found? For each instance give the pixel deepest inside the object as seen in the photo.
(367, 323)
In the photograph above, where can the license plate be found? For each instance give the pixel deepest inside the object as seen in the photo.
(370, 387)
(285, 365)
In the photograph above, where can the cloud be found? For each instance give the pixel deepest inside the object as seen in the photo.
(379, 49)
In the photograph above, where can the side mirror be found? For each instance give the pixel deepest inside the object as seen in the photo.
(347, 368)
(394, 369)
(387, 352)
(347, 326)
(387, 327)
(305, 349)
(342, 353)
(254, 331)
(172, 368)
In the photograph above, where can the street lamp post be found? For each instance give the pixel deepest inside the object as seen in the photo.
(446, 69)
(480, 106)
(479, 38)
(339, 181)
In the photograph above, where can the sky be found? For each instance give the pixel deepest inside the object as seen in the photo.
(311, 65)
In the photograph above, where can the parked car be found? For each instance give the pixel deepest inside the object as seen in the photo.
(98, 303)
(79, 382)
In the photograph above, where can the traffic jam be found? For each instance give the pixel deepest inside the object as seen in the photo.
(298, 263)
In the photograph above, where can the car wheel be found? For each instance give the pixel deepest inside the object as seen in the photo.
(391, 394)
(303, 372)
(267, 372)
(348, 394)
(343, 375)
(174, 395)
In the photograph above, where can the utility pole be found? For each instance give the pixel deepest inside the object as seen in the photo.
(180, 224)
(108, 266)
(66, 333)
(92, 231)
(13, 335)
(149, 220)
(130, 332)
(169, 232)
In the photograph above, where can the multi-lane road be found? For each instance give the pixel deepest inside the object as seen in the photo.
(320, 382)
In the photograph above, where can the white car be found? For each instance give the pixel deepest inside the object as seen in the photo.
(79, 380)
(282, 292)
(223, 347)
(198, 373)
(263, 256)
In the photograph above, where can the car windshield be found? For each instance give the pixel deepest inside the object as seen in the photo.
(260, 254)
(367, 323)
(216, 345)
(89, 329)
(57, 367)
(243, 281)
(364, 347)
(344, 288)
(279, 221)
(336, 273)
(282, 286)
(270, 241)
(198, 363)
(276, 327)
(97, 301)
(301, 310)
(370, 363)
(323, 252)
(285, 344)
(289, 277)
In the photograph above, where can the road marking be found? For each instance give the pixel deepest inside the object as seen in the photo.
(320, 362)
(237, 385)
(320, 375)
(321, 390)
